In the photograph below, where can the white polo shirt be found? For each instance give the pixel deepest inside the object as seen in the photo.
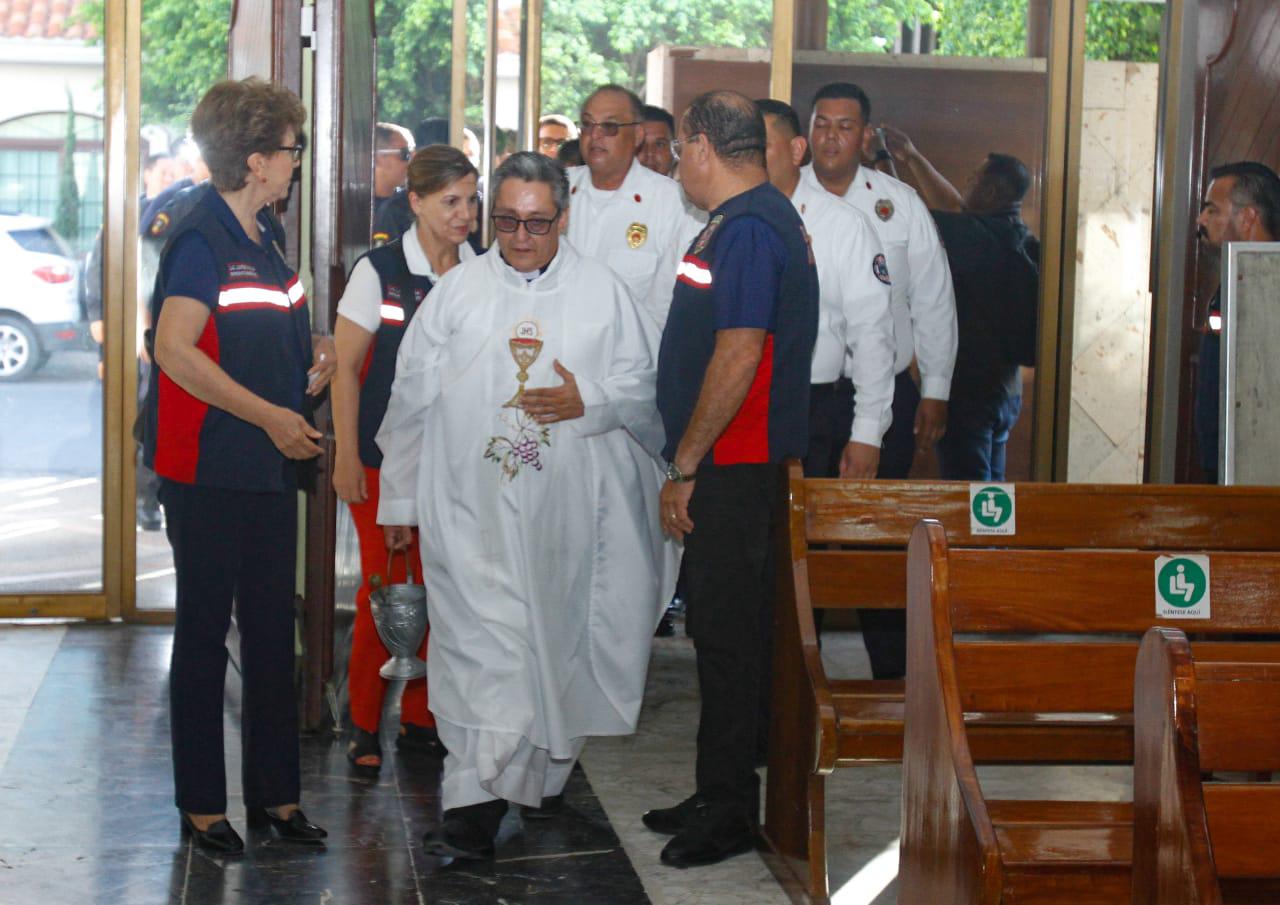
(853, 307)
(638, 229)
(924, 303)
(361, 301)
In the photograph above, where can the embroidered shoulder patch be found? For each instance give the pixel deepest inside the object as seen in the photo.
(159, 224)
(707, 232)
(881, 269)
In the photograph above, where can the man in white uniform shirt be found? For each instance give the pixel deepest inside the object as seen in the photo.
(853, 318)
(524, 391)
(924, 309)
(624, 214)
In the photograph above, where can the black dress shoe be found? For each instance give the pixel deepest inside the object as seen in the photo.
(670, 821)
(466, 833)
(420, 740)
(294, 828)
(219, 839)
(552, 806)
(666, 625)
(714, 834)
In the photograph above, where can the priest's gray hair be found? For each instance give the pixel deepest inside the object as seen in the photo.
(530, 166)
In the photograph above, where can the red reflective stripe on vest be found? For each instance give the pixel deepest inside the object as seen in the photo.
(746, 439)
(181, 418)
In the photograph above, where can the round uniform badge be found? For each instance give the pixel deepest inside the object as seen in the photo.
(884, 209)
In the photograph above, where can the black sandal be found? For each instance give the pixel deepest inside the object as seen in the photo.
(364, 744)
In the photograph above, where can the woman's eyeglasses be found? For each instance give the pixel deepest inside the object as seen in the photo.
(295, 151)
(534, 226)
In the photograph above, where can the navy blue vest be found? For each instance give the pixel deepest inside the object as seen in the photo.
(259, 333)
(772, 424)
(402, 293)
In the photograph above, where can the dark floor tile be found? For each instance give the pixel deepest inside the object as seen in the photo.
(584, 879)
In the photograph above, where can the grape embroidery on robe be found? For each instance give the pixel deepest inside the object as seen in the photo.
(521, 448)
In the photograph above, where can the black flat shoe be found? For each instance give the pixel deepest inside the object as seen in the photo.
(420, 740)
(219, 839)
(552, 806)
(294, 828)
(364, 744)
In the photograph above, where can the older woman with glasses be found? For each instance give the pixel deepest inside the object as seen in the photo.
(225, 431)
(386, 287)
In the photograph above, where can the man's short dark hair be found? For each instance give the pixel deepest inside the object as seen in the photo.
(844, 91)
(637, 105)
(731, 123)
(783, 112)
(1256, 186)
(1008, 175)
(652, 114)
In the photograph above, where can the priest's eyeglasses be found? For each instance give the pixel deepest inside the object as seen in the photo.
(534, 226)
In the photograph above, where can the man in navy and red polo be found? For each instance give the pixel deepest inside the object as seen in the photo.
(733, 390)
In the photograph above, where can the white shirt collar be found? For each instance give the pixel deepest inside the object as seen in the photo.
(416, 256)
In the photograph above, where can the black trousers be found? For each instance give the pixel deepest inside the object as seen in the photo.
(830, 420)
(729, 558)
(884, 632)
(227, 545)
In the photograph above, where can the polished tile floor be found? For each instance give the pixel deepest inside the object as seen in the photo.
(86, 812)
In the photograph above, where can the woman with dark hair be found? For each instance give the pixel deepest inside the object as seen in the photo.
(225, 431)
(386, 287)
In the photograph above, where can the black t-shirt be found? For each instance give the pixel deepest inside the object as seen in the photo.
(994, 264)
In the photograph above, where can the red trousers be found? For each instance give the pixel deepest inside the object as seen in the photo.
(368, 654)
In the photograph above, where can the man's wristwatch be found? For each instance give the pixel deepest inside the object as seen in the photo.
(676, 476)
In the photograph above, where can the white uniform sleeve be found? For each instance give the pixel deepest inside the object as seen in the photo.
(869, 344)
(361, 301)
(626, 398)
(415, 388)
(933, 304)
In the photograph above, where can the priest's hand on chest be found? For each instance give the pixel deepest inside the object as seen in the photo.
(550, 404)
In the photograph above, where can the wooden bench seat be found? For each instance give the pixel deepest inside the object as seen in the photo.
(958, 846)
(1203, 842)
(842, 544)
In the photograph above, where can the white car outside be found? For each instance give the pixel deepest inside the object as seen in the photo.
(40, 309)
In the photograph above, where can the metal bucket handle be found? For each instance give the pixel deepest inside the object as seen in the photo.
(408, 565)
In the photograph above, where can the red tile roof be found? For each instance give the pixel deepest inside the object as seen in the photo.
(41, 19)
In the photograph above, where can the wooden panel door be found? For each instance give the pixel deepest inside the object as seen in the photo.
(344, 102)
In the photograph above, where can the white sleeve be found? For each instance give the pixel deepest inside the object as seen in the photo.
(933, 304)
(626, 397)
(869, 344)
(415, 388)
(361, 302)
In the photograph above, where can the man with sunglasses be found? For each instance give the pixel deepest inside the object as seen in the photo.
(392, 150)
(513, 439)
(624, 214)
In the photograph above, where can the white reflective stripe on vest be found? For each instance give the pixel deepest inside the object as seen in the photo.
(256, 296)
(296, 292)
(694, 272)
(392, 313)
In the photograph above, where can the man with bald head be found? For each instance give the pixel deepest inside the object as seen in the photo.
(733, 391)
(622, 213)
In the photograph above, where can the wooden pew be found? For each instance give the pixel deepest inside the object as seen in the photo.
(843, 544)
(979, 691)
(1197, 842)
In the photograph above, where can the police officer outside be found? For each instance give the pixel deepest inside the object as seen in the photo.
(924, 310)
(236, 359)
(733, 391)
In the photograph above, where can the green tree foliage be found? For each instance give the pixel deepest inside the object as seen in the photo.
(66, 221)
(982, 28)
(1123, 31)
(184, 51)
(415, 40)
(867, 26)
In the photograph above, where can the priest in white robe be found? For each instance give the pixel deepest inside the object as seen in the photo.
(520, 439)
